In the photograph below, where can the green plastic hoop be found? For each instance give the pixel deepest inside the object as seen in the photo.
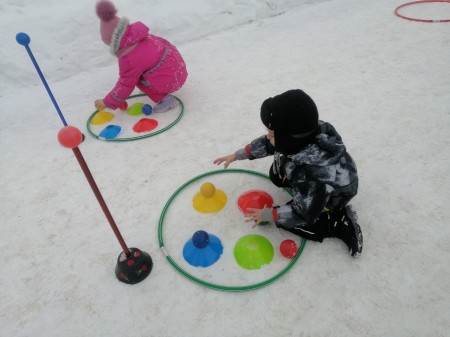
(205, 283)
(151, 134)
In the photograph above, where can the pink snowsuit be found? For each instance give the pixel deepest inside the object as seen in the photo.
(147, 62)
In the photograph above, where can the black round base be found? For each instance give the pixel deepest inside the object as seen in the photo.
(135, 268)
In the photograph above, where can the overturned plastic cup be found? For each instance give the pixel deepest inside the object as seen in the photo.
(203, 249)
(253, 251)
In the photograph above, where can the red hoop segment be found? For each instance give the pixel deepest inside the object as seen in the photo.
(419, 2)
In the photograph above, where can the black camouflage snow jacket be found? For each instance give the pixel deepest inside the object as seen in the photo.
(322, 175)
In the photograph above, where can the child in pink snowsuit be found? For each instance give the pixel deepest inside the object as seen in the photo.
(146, 61)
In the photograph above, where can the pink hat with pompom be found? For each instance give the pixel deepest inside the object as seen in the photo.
(106, 11)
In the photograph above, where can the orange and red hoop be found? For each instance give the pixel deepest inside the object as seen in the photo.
(397, 11)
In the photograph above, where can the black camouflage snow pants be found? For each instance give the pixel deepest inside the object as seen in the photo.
(322, 227)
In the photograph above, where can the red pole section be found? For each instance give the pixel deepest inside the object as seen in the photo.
(100, 199)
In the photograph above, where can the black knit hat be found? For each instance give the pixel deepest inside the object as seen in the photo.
(293, 117)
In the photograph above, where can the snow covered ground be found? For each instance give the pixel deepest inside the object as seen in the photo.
(381, 80)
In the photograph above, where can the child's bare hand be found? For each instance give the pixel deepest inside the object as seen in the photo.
(99, 104)
(227, 160)
(255, 215)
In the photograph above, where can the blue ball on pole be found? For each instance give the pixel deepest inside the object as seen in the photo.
(23, 39)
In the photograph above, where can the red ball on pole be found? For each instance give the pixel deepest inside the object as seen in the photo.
(70, 137)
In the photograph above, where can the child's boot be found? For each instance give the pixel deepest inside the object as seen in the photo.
(169, 102)
(343, 226)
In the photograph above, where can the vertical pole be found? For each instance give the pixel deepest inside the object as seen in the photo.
(138, 265)
(100, 199)
(58, 110)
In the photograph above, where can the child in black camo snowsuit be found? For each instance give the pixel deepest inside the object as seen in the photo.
(311, 160)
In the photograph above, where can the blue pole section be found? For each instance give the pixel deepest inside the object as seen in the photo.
(24, 40)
